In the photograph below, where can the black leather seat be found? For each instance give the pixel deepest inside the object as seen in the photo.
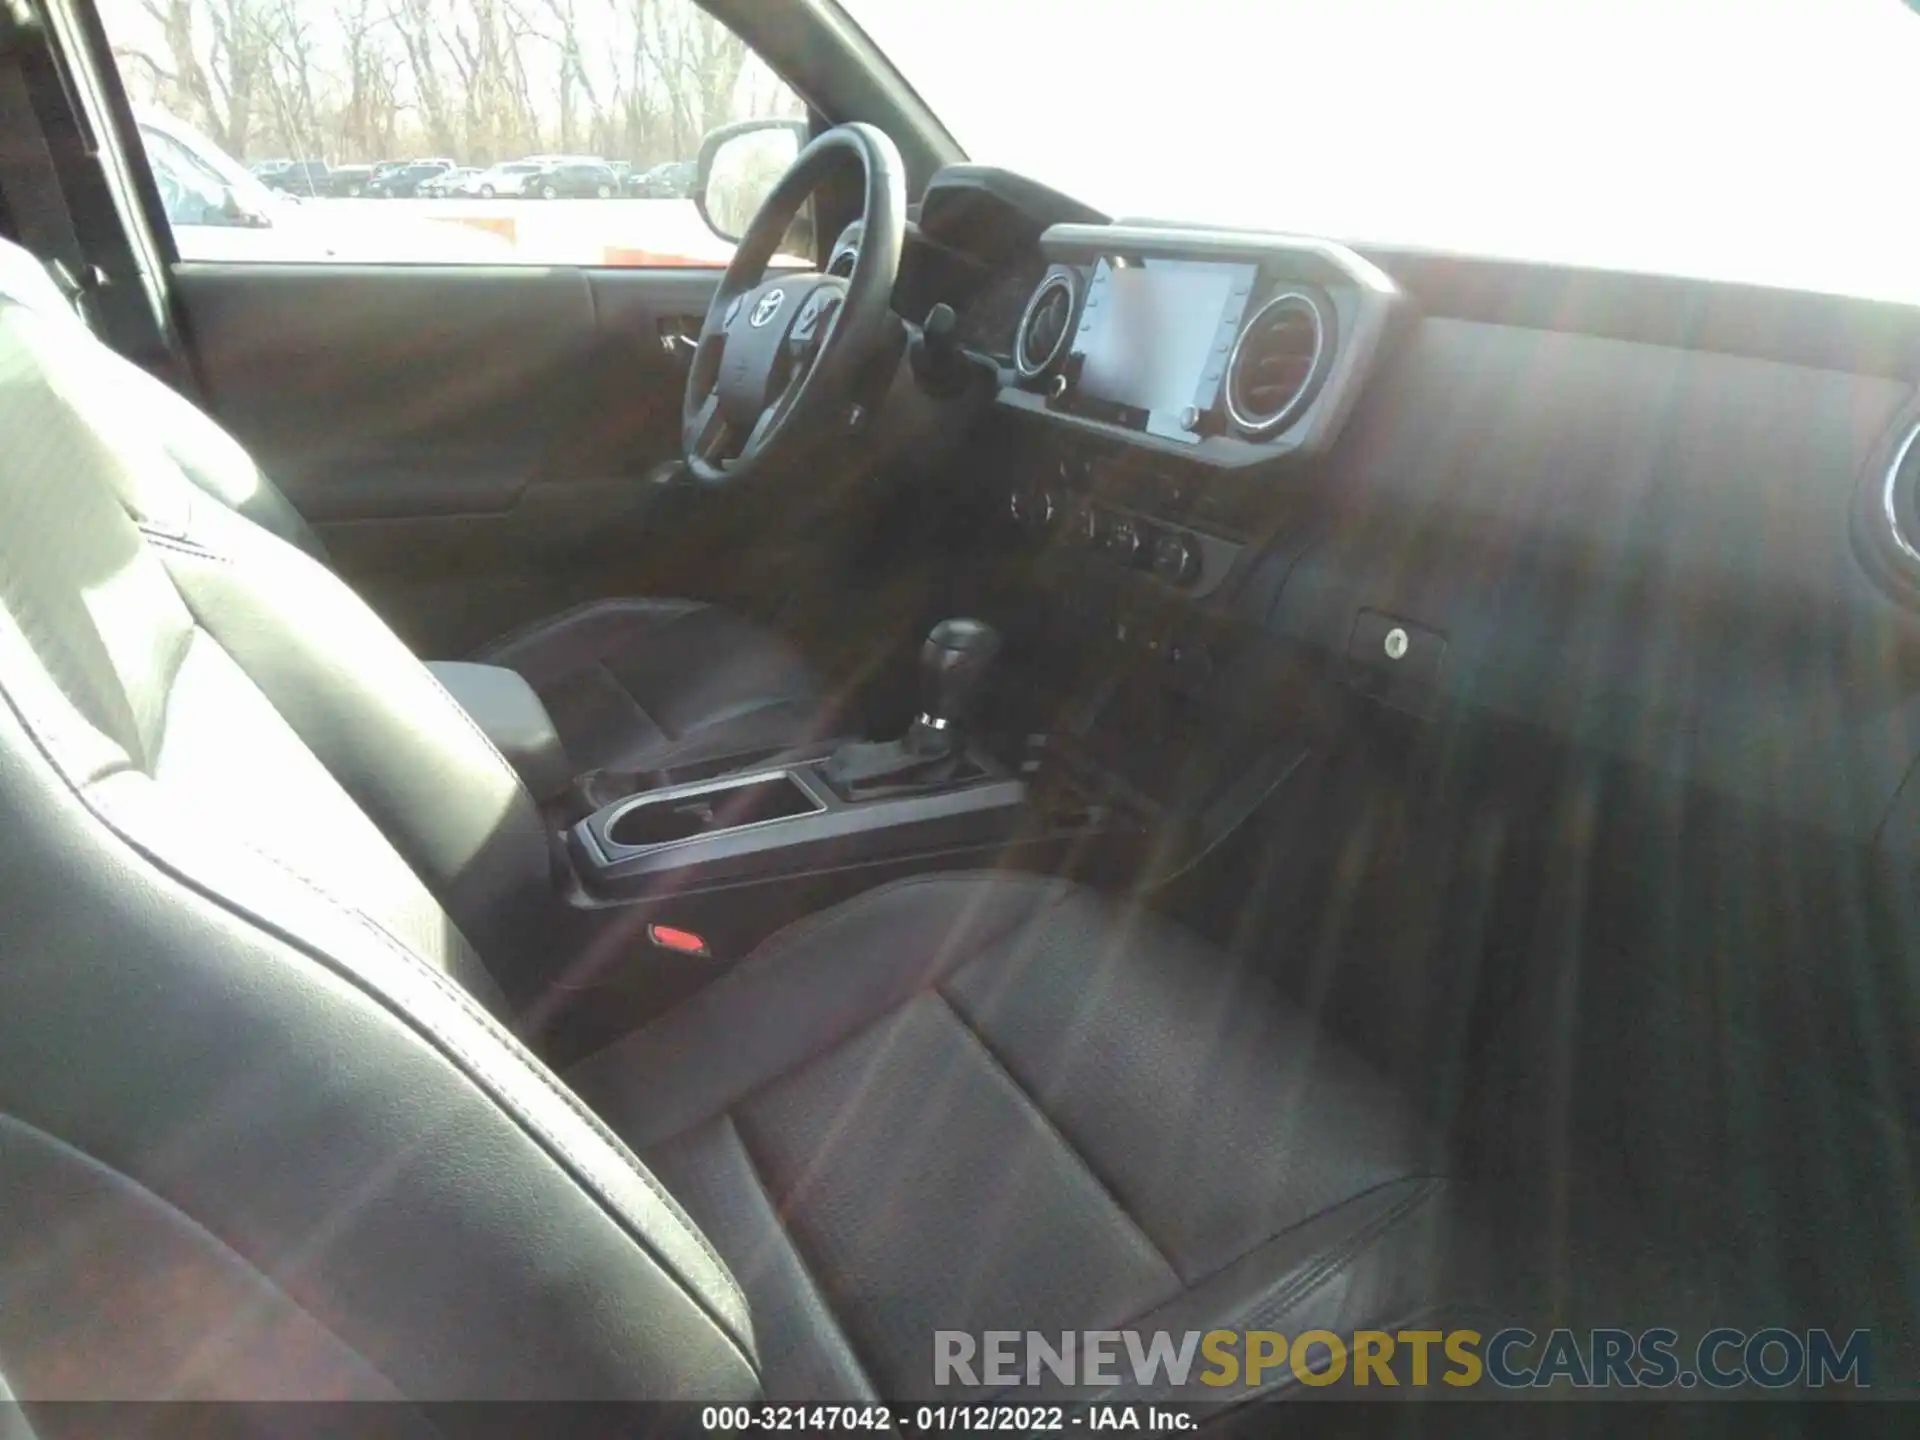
(647, 684)
(996, 1103)
(632, 684)
(265, 1130)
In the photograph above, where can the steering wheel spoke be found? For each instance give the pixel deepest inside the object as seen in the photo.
(775, 415)
(708, 431)
(780, 354)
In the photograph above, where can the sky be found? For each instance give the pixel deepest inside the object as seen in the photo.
(1763, 140)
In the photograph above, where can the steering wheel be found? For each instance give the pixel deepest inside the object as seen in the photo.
(779, 359)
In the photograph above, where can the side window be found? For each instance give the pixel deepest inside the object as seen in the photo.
(540, 132)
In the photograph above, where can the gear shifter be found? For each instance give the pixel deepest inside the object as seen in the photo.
(953, 672)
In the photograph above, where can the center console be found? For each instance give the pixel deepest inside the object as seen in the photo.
(935, 796)
(785, 821)
(685, 875)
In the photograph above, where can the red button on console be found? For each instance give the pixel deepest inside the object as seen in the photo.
(681, 942)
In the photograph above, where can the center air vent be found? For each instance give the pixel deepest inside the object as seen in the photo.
(1900, 501)
(1886, 514)
(1042, 337)
(1277, 363)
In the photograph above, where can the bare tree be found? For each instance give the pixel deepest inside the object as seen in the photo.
(698, 62)
(479, 80)
(368, 115)
(291, 79)
(418, 29)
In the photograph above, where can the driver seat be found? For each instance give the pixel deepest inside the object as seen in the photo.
(632, 684)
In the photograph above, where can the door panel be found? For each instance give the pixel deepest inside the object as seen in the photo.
(474, 445)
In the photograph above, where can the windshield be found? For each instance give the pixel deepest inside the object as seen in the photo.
(1758, 140)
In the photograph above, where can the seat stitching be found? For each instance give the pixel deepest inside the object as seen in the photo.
(482, 736)
(193, 549)
(515, 1052)
(1052, 1129)
(221, 1245)
(182, 544)
(1335, 1256)
(1304, 1280)
(793, 1244)
(1331, 1260)
(368, 984)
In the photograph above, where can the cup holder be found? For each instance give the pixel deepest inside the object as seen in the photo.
(690, 814)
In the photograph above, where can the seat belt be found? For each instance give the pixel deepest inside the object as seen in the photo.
(29, 178)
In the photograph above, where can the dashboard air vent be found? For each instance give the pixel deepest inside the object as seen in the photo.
(1042, 337)
(1900, 501)
(1886, 513)
(1277, 363)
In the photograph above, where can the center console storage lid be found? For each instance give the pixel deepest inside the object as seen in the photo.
(512, 716)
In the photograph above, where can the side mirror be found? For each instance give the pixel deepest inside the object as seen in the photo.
(739, 166)
(237, 214)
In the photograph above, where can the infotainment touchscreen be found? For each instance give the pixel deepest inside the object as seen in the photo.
(1154, 336)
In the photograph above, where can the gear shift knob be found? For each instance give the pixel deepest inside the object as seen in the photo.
(933, 753)
(953, 669)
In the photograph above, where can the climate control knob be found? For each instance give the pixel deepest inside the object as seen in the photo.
(1175, 560)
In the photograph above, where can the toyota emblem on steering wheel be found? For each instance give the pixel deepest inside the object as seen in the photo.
(768, 307)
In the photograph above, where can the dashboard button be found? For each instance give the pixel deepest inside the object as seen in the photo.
(1174, 560)
(1395, 660)
(1123, 541)
(1032, 507)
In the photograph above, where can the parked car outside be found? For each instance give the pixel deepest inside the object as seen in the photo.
(294, 177)
(448, 183)
(349, 182)
(404, 183)
(575, 179)
(218, 211)
(509, 178)
(673, 180)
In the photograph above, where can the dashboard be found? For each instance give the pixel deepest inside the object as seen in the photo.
(1424, 473)
(1570, 594)
(1152, 380)
(1151, 375)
